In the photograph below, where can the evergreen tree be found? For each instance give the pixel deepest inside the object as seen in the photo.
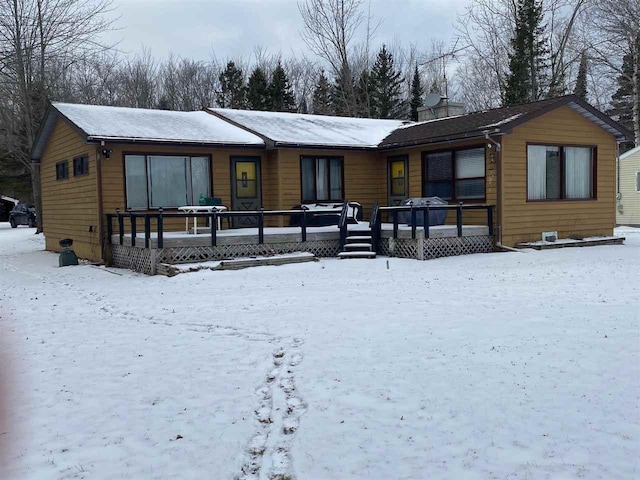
(232, 92)
(342, 102)
(622, 100)
(258, 90)
(280, 93)
(321, 102)
(364, 95)
(386, 101)
(528, 59)
(416, 94)
(581, 81)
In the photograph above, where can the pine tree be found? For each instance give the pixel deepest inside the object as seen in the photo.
(321, 102)
(281, 97)
(622, 99)
(581, 81)
(386, 101)
(340, 97)
(416, 94)
(232, 92)
(258, 90)
(527, 62)
(364, 95)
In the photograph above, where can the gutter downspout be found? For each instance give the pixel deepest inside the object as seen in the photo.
(100, 209)
(618, 193)
(498, 146)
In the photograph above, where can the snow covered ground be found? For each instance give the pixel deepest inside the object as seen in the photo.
(506, 365)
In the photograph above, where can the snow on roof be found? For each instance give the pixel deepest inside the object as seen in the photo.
(316, 130)
(101, 122)
(433, 120)
(502, 122)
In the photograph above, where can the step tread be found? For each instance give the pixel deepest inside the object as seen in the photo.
(358, 245)
(359, 237)
(357, 254)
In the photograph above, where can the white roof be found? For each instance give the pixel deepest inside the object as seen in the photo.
(120, 123)
(629, 153)
(312, 130)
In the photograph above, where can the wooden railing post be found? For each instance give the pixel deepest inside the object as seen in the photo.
(459, 219)
(395, 223)
(413, 221)
(426, 221)
(120, 226)
(490, 219)
(109, 227)
(132, 219)
(213, 221)
(303, 224)
(160, 227)
(147, 230)
(261, 227)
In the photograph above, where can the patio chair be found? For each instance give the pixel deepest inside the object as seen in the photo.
(213, 202)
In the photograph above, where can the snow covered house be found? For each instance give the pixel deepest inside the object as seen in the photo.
(628, 212)
(542, 166)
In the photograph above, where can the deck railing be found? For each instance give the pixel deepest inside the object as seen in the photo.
(130, 219)
(424, 210)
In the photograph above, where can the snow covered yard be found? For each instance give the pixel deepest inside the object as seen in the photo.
(506, 365)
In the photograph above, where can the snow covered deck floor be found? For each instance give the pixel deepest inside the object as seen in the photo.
(249, 236)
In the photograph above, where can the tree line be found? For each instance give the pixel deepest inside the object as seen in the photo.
(503, 52)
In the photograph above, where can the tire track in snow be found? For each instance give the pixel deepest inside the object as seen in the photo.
(267, 456)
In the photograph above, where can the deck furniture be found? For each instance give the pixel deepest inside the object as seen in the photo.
(200, 209)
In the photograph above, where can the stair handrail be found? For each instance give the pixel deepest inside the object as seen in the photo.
(374, 226)
(342, 224)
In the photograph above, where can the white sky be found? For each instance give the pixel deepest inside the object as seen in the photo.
(232, 28)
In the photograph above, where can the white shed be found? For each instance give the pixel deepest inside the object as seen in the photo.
(628, 211)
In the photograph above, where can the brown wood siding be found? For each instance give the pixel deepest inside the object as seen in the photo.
(364, 176)
(113, 182)
(70, 206)
(524, 221)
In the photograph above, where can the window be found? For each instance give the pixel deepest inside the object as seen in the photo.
(322, 179)
(560, 173)
(637, 181)
(80, 165)
(167, 181)
(62, 170)
(454, 174)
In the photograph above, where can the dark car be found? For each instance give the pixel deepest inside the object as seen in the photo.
(22, 214)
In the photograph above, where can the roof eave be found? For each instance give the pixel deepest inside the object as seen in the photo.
(160, 141)
(471, 135)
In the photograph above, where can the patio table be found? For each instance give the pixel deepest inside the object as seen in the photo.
(200, 209)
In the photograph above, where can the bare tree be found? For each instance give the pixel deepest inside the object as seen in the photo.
(33, 35)
(615, 29)
(329, 31)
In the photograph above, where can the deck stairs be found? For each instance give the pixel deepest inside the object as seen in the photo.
(359, 244)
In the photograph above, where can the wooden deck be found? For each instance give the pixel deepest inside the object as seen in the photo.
(274, 235)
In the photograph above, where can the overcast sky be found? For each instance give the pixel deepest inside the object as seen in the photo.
(232, 28)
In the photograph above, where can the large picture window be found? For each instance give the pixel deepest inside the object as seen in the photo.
(322, 179)
(560, 173)
(454, 174)
(166, 181)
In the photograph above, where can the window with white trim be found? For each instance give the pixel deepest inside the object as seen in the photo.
(560, 173)
(167, 181)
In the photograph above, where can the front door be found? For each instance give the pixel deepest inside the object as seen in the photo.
(398, 180)
(245, 189)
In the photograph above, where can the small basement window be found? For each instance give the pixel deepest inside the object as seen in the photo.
(62, 170)
(80, 165)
